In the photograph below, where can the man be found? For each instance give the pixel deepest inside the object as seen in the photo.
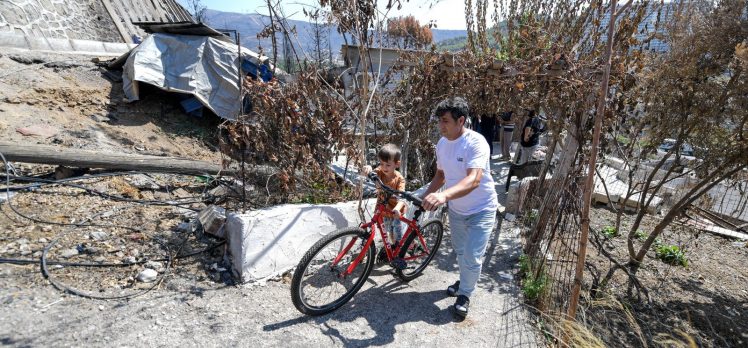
(531, 136)
(463, 167)
(486, 128)
(507, 124)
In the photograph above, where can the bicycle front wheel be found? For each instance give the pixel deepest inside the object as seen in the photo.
(322, 282)
(419, 249)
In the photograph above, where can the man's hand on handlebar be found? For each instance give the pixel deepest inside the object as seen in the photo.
(434, 201)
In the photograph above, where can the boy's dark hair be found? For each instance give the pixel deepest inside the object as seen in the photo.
(530, 113)
(456, 106)
(389, 152)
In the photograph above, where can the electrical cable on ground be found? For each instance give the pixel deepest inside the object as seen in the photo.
(106, 195)
(84, 223)
(21, 262)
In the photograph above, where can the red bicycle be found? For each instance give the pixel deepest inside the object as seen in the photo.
(336, 267)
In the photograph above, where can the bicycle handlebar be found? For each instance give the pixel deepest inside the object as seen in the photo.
(416, 201)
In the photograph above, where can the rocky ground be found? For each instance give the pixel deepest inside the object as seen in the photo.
(707, 300)
(196, 301)
(113, 236)
(69, 101)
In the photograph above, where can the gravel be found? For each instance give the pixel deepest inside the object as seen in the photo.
(147, 275)
(67, 253)
(386, 312)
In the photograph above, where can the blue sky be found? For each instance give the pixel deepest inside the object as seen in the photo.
(448, 14)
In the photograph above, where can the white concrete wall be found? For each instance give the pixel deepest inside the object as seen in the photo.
(268, 242)
(69, 46)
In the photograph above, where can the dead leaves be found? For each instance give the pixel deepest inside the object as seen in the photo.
(293, 127)
(741, 53)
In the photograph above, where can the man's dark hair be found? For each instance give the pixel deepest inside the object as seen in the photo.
(389, 152)
(456, 106)
(530, 113)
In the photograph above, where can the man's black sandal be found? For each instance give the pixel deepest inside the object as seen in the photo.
(452, 289)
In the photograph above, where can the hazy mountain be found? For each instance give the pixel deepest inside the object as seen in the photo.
(249, 25)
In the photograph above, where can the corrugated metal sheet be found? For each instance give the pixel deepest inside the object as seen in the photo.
(182, 28)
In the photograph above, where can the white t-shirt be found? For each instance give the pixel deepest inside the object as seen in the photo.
(454, 158)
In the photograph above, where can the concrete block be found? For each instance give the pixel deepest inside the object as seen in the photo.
(599, 196)
(60, 45)
(38, 43)
(632, 204)
(116, 47)
(512, 198)
(268, 242)
(13, 40)
(88, 45)
(212, 220)
(515, 199)
(616, 163)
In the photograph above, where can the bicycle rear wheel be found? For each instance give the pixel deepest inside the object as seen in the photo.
(418, 252)
(319, 285)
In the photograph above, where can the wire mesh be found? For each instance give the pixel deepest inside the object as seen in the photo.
(552, 251)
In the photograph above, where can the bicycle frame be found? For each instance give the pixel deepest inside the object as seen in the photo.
(376, 223)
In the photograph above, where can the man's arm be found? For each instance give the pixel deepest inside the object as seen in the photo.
(527, 133)
(469, 183)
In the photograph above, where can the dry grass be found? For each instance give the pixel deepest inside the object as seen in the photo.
(608, 301)
(124, 188)
(683, 341)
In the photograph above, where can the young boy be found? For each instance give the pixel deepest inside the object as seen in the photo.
(389, 161)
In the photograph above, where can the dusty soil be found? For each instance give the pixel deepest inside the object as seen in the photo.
(71, 95)
(706, 300)
(197, 302)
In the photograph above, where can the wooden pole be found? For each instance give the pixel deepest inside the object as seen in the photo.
(241, 112)
(117, 21)
(589, 181)
(96, 159)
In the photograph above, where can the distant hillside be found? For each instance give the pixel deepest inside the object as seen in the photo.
(459, 43)
(248, 25)
(454, 44)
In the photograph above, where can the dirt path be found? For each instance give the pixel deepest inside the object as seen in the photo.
(190, 309)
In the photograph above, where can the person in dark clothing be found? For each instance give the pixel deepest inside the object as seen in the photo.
(507, 125)
(486, 129)
(534, 127)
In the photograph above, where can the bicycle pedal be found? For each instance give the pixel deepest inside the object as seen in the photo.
(381, 257)
(399, 263)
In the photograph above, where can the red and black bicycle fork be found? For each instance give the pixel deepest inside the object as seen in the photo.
(376, 224)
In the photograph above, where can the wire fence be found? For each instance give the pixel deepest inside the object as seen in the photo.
(551, 242)
(550, 210)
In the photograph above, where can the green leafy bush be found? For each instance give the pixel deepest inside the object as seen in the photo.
(524, 264)
(533, 287)
(671, 254)
(531, 217)
(609, 231)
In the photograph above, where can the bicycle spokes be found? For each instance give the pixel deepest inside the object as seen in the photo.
(333, 272)
(419, 249)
